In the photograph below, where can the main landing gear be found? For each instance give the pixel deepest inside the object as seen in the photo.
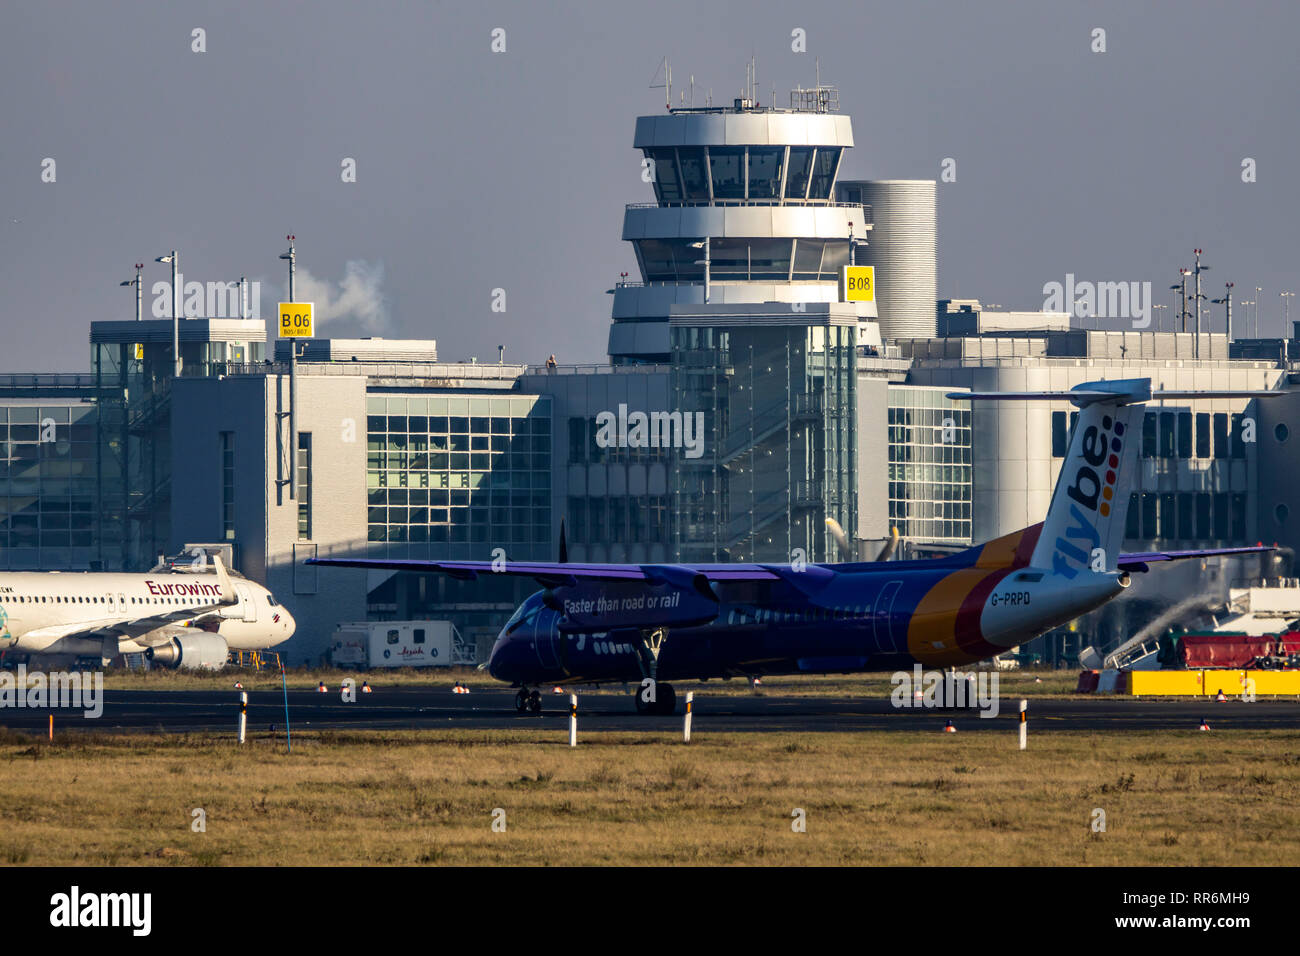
(664, 701)
(653, 697)
(526, 701)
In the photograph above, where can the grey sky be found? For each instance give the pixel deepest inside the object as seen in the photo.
(479, 170)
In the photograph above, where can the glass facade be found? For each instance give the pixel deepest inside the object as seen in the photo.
(721, 174)
(458, 476)
(930, 473)
(775, 404)
(48, 479)
(674, 260)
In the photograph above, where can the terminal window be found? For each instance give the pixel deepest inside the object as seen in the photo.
(304, 485)
(451, 476)
(49, 499)
(228, 485)
(930, 471)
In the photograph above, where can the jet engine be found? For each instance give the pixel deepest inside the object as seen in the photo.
(190, 651)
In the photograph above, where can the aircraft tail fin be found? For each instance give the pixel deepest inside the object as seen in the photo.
(1084, 527)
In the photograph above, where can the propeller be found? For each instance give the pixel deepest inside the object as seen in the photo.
(841, 539)
(887, 551)
(846, 546)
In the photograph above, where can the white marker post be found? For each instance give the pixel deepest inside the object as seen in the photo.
(686, 732)
(1024, 725)
(573, 720)
(243, 714)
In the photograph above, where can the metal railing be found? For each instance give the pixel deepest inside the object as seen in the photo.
(47, 380)
(762, 513)
(748, 432)
(773, 203)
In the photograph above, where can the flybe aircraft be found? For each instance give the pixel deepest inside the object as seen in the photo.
(659, 622)
(182, 615)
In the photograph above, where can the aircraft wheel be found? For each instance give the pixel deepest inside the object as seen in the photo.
(641, 706)
(521, 700)
(535, 702)
(666, 704)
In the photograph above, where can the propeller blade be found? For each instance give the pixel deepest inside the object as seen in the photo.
(888, 550)
(841, 539)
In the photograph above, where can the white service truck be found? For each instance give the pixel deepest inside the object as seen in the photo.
(367, 644)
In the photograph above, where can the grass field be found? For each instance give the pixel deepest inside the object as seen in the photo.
(1013, 684)
(419, 797)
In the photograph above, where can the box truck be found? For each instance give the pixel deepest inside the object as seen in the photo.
(369, 644)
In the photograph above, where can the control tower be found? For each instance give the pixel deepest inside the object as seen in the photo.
(744, 213)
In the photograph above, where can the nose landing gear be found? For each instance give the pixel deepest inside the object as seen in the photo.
(662, 699)
(526, 701)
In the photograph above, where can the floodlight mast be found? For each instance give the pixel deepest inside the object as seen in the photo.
(175, 259)
(292, 477)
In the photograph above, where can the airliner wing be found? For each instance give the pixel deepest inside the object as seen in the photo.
(130, 629)
(1138, 561)
(560, 573)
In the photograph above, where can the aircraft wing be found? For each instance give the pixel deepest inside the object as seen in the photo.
(1138, 561)
(129, 629)
(562, 573)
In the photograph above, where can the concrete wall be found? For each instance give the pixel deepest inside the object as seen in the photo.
(332, 408)
(586, 394)
(873, 458)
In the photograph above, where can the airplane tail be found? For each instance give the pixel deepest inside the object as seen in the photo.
(1084, 527)
(1085, 523)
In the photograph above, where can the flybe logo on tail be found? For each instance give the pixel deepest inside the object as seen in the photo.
(1091, 490)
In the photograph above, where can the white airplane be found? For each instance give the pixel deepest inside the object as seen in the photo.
(178, 616)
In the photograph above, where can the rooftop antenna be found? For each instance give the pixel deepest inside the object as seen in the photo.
(667, 84)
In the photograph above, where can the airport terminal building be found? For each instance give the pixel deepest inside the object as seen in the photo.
(743, 405)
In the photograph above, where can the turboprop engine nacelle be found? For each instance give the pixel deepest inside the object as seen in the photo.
(670, 596)
(191, 651)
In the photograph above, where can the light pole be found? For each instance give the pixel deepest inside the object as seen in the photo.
(1159, 315)
(853, 246)
(175, 259)
(139, 299)
(1196, 353)
(292, 256)
(1258, 300)
(1226, 301)
(704, 244)
(1246, 304)
(1182, 291)
(1286, 310)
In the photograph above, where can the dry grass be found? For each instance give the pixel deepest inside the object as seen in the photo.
(1013, 684)
(419, 797)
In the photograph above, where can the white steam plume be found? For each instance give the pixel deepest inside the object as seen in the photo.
(358, 296)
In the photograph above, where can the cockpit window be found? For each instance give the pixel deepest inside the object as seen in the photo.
(270, 600)
(525, 614)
